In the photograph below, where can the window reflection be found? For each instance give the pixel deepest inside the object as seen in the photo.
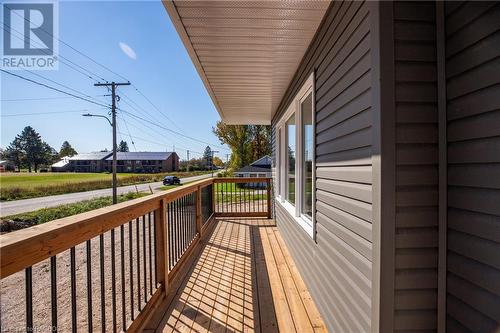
(307, 155)
(290, 144)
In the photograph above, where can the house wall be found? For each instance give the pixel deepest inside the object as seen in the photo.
(473, 135)
(416, 166)
(337, 267)
(411, 139)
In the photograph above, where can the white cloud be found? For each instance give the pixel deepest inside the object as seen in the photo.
(128, 51)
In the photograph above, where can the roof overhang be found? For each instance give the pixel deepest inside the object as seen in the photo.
(246, 52)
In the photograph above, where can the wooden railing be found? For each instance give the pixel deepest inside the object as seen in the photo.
(108, 269)
(246, 197)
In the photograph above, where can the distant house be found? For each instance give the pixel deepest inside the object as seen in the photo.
(61, 166)
(87, 162)
(147, 162)
(258, 168)
(7, 166)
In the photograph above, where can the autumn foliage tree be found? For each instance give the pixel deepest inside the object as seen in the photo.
(247, 142)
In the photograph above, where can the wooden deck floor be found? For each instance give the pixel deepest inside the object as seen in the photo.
(243, 280)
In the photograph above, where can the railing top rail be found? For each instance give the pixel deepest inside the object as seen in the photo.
(23, 248)
(242, 180)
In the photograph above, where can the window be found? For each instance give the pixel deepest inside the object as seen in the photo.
(290, 160)
(307, 153)
(295, 158)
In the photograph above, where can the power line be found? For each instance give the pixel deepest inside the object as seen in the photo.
(154, 106)
(38, 99)
(41, 113)
(55, 89)
(103, 66)
(66, 60)
(108, 69)
(128, 131)
(127, 100)
(62, 85)
(74, 49)
(160, 133)
(171, 130)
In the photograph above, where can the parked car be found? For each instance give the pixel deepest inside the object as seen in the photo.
(171, 180)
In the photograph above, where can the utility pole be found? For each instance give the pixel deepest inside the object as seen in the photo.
(113, 122)
(188, 160)
(212, 162)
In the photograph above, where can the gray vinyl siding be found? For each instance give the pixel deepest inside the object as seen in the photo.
(416, 234)
(473, 131)
(337, 267)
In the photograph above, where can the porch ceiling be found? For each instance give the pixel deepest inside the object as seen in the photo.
(246, 52)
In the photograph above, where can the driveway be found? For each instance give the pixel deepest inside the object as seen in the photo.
(28, 205)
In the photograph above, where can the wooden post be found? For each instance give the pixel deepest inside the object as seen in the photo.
(198, 212)
(269, 210)
(162, 245)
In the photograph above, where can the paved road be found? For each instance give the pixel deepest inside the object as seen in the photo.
(28, 205)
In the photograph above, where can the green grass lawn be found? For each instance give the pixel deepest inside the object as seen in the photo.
(14, 186)
(24, 220)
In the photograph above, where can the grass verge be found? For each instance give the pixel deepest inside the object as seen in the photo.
(24, 220)
(15, 186)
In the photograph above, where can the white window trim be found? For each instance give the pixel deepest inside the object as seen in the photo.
(308, 224)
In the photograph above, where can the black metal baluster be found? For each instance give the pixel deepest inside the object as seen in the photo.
(193, 215)
(137, 228)
(103, 290)
(230, 210)
(171, 234)
(184, 224)
(170, 230)
(249, 201)
(180, 234)
(245, 200)
(73, 289)
(89, 286)
(253, 198)
(131, 262)
(150, 258)
(145, 258)
(113, 280)
(263, 202)
(122, 268)
(29, 298)
(181, 222)
(188, 218)
(53, 292)
(177, 228)
(154, 238)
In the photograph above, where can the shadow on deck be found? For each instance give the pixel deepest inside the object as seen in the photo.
(242, 279)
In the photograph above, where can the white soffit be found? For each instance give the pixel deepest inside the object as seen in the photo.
(246, 52)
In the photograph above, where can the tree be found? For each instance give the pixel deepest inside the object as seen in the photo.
(123, 147)
(261, 141)
(218, 162)
(247, 142)
(207, 156)
(15, 153)
(29, 150)
(67, 150)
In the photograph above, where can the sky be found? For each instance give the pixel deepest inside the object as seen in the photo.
(137, 41)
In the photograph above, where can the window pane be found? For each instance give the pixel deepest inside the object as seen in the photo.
(307, 157)
(278, 164)
(290, 176)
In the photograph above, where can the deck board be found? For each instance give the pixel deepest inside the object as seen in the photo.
(243, 280)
